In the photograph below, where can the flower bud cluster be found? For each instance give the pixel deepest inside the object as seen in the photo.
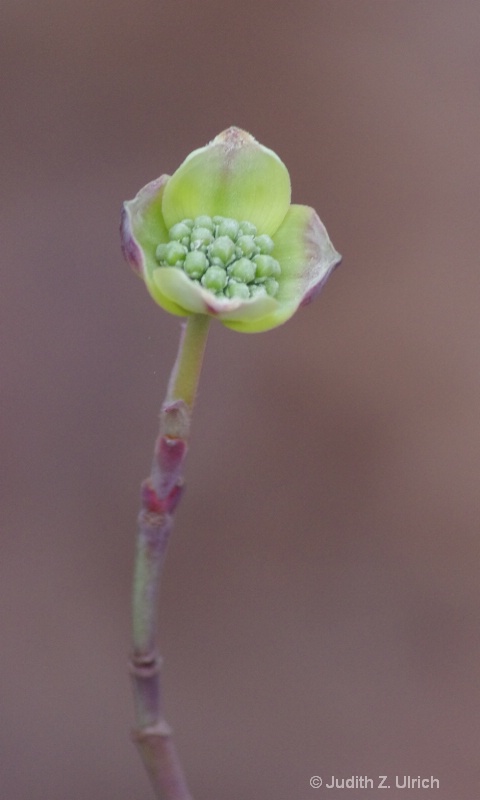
(225, 256)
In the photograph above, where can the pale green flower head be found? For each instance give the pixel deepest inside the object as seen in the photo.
(220, 237)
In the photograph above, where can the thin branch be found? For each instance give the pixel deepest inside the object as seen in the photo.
(160, 495)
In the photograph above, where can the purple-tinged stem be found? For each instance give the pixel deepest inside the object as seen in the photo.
(160, 495)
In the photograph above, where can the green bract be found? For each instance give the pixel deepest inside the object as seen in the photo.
(220, 237)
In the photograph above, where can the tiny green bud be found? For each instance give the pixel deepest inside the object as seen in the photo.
(242, 270)
(266, 266)
(195, 264)
(204, 222)
(221, 250)
(257, 290)
(235, 289)
(227, 227)
(264, 243)
(248, 228)
(175, 253)
(201, 236)
(161, 252)
(179, 232)
(246, 246)
(272, 286)
(214, 279)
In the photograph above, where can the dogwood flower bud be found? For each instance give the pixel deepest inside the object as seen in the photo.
(220, 237)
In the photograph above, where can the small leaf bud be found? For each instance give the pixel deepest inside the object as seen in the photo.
(175, 254)
(257, 290)
(201, 237)
(267, 267)
(204, 222)
(227, 227)
(242, 270)
(179, 232)
(264, 243)
(195, 264)
(214, 279)
(161, 252)
(235, 289)
(246, 246)
(248, 228)
(272, 286)
(221, 250)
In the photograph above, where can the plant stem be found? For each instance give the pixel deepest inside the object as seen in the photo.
(186, 370)
(160, 495)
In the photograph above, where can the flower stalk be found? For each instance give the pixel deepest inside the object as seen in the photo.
(160, 495)
(219, 239)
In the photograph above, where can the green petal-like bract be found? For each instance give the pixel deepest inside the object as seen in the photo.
(233, 176)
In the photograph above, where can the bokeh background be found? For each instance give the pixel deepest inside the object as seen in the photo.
(320, 606)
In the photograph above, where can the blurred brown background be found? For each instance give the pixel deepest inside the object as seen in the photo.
(320, 607)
